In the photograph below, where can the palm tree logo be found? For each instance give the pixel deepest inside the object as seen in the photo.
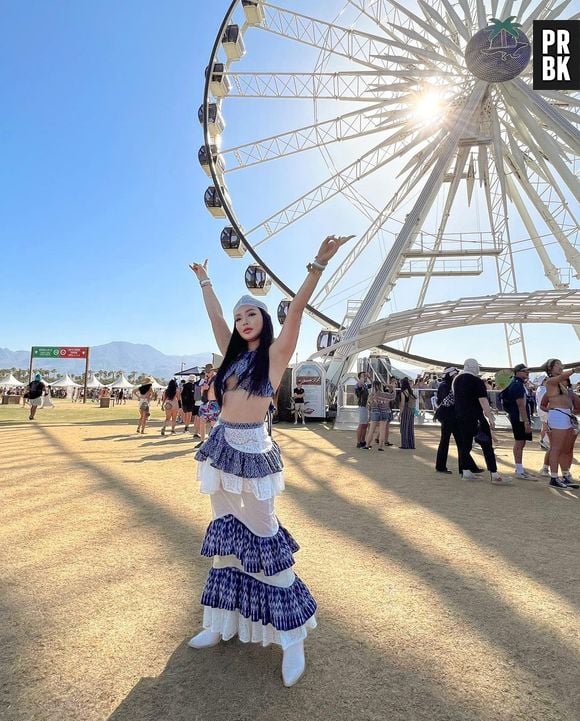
(505, 38)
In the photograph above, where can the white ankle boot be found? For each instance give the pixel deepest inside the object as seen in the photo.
(205, 639)
(293, 663)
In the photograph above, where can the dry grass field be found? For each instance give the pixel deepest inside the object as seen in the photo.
(439, 599)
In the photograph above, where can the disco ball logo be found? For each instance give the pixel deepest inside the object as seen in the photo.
(499, 52)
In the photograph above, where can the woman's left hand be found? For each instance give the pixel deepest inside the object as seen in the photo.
(330, 246)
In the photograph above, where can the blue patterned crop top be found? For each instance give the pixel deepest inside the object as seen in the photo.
(240, 368)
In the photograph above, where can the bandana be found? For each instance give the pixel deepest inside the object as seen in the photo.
(249, 300)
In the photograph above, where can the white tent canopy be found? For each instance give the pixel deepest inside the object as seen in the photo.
(66, 382)
(94, 382)
(156, 385)
(121, 382)
(10, 380)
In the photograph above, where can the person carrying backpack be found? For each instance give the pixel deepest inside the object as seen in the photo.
(513, 400)
(34, 395)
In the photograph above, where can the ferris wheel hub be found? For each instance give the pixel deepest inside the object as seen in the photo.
(499, 52)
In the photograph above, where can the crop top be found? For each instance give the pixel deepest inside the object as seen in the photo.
(241, 368)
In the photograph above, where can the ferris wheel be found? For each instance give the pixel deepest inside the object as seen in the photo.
(415, 125)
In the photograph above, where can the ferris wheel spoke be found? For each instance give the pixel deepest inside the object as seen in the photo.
(523, 7)
(317, 196)
(541, 9)
(379, 156)
(377, 225)
(553, 224)
(432, 32)
(549, 113)
(430, 12)
(550, 269)
(467, 14)
(456, 20)
(561, 99)
(423, 55)
(373, 12)
(346, 127)
(481, 14)
(506, 10)
(548, 146)
(313, 86)
(496, 192)
(557, 11)
(344, 42)
(570, 115)
(461, 159)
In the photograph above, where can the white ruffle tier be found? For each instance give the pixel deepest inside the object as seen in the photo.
(232, 623)
(213, 479)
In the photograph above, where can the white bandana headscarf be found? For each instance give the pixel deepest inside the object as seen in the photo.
(249, 300)
(470, 366)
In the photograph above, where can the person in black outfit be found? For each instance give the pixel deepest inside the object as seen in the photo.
(475, 420)
(187, 401)
(34, 394)
(445, 414)
(298, 397)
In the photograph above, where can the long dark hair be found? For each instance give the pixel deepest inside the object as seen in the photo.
(171, 390)
(406, 386)
(259, 370)
(549, 364)
(145, 388)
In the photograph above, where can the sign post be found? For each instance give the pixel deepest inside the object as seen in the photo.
(75, 352)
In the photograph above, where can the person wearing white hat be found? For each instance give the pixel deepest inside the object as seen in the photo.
(475, 421)
(445, 414)
(251, 590)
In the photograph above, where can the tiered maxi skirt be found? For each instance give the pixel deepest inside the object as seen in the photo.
(251, 590)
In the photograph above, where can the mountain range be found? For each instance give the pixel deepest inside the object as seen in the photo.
(119, 355)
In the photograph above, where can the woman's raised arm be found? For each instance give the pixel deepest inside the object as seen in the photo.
(219, 326)
(283, 347)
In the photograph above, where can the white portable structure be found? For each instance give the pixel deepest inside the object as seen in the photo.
(10, 381)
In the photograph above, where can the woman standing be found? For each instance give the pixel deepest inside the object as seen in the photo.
(251, 590)
(407, 407)
(144, 394)
(170, 400)
(380, 414)
(562, 422)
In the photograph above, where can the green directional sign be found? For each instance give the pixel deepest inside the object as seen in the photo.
(46, 352)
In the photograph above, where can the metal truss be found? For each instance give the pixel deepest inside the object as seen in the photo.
(359, 47)
(346, 127)
(380, 155)
(548, 306)
(358, 87)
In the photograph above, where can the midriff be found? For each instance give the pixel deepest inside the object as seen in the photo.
(558, 400)
(240, 407)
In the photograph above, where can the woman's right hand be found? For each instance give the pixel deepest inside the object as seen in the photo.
(200, 270)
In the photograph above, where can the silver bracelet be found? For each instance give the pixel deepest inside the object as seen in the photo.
(318, 265)
(205, 282)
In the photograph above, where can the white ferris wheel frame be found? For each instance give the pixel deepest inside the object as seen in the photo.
(541, 190)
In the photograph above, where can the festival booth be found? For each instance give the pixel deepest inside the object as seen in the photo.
(67, 383)
(312, 376)
(121, 382)
(10, 381)
(94, 382)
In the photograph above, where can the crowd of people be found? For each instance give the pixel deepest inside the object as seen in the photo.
(466, 405)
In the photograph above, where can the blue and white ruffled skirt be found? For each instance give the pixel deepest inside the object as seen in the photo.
(251, 590)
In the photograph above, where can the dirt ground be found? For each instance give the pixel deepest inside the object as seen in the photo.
(439, 599)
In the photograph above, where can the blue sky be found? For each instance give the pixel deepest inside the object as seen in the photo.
(101, 193)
